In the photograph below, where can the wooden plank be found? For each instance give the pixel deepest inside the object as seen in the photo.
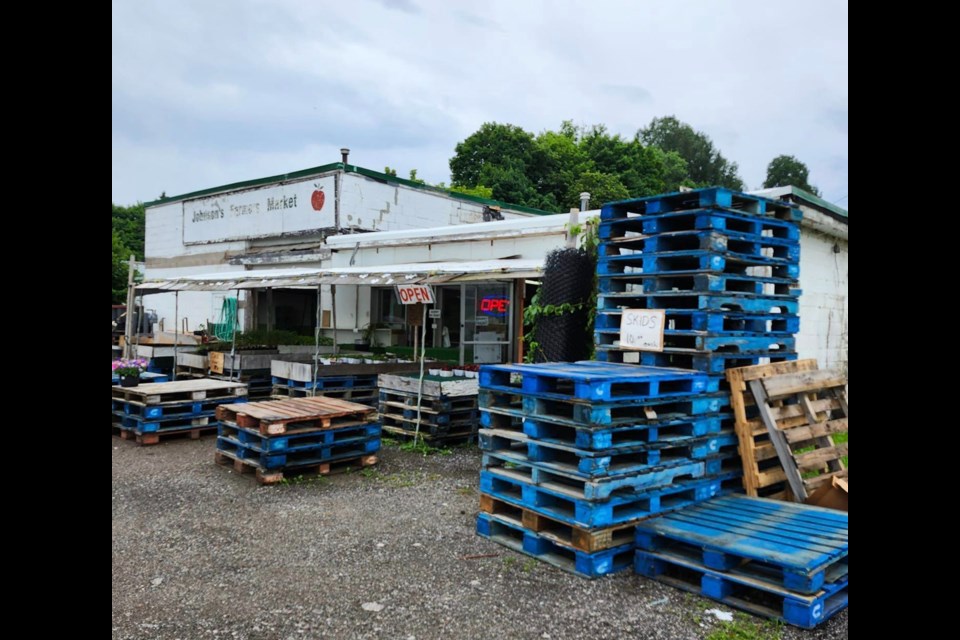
(776, 436)
(795, 410)
(808, 381)
(816, 481)
(817, 458)
(763, 371)
(799, 434)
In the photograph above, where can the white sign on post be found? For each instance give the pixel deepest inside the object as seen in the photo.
(415, 294)
(434, 313)
(642, 329)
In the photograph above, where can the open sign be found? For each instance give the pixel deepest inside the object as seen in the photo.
(415, 294)
(494, 306)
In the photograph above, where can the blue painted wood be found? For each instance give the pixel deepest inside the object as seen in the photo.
(147, 377)
(746, 587)
(557, 501)
(587, 464)
(592, 381)
(714, 322)
(693, 343)
(291, 441)
(709, 197)
(595, 438)
(177, 409)
(531, 543)
(703, 302)
(305, 456)
(708, 362)
(142, 426)
(576, 485)
(329, 382)
(697, 284)
(601, 414)
(798, 539)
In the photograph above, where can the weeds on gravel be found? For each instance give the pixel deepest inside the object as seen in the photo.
(529, 565)
(746, 627)
(302, 479)
(508, 562)
(369, 472)
(419, 446)
(466, 491)
(407, 478)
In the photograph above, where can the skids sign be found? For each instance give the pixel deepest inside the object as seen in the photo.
(415, 293)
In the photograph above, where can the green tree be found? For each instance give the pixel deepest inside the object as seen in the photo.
(504, 158)
(705, 165)
(120, 266)
(129, 224)
(786, 171)
(414, 178)
(390, 172)
(603, 187)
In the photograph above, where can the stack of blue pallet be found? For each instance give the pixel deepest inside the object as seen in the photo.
(275, 439)
(775, 559)
(723, 266)
(151, 411)
(360, 388)
(576, 454)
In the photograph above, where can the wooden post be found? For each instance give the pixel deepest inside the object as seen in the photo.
(128, 329)
(176, 331)
(333, 313)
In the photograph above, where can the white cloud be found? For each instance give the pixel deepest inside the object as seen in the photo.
(217, 92)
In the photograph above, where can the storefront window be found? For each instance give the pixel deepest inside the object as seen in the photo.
(386, 308)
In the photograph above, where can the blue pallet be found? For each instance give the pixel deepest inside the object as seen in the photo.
(318, 454)
(632, 232)
(147, 377)
(173, 409)
(744, 588)
(581, 563)
(587, 464)
(721, 240)
(702, 301)
(714, 322)
(602, 488)
(141, 427)
(713, 197)
(698, 283)
(329, 382)
(593, 438)
(560, 504)
(292, 441)
(692, 343)
(592, 381)
(694, 262)
(711, 363)
(601, 414)
(797, 543)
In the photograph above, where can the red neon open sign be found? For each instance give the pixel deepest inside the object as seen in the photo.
(494, 306)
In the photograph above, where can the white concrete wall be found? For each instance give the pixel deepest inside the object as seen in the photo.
(824, 277)
(372, 205)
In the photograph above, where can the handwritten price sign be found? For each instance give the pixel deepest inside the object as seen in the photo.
(642, 329)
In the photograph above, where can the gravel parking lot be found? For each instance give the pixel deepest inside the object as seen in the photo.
(202, 552)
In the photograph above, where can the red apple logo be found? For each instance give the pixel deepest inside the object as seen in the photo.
(317, 200)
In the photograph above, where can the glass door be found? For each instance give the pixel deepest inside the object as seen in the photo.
(486, 327)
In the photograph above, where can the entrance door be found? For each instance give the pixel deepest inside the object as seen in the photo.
(487, 323)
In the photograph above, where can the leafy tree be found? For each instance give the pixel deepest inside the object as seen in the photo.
(413, 177)
(129, 224)
(479, 191)
(787, 170)
(120, 256)
(705, 165)
(603, 187)
(503, 157)
(390, 172)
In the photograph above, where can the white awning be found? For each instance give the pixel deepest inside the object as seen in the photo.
(381, 276)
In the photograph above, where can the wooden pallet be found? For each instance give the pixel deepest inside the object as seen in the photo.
(180, 391)
(781, 411)
(273, 417)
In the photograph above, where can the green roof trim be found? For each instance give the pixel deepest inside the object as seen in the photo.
(349, 168)
(819, 202)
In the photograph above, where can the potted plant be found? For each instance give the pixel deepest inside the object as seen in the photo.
(471, 370)
(446, 372)
(129, 370)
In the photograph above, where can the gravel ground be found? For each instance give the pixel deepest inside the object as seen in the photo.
(202, 552)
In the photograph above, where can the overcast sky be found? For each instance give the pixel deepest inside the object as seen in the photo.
(218, 91)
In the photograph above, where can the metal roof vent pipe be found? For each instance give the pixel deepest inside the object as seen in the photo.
(344, 155)
(584, 201)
